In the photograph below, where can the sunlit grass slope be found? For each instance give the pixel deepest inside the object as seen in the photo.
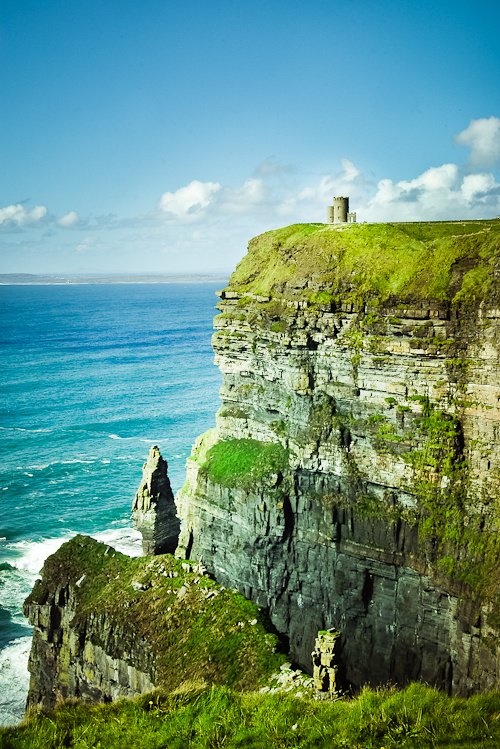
(417, 717)
(455, 260)
(200, 632)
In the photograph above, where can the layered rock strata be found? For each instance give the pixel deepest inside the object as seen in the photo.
(153, 511)
(352, 479)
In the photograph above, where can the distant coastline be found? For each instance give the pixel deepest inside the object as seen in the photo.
(33, 279)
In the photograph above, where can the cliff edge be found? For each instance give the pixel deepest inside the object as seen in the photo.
(107, 626)
(352, 480)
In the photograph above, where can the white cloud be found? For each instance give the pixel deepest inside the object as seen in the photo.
(439, 193)
(349, 172)
(87, 244)
(479, 187)
(14, 216)
(483, 138)
(189, 202)
(70, 219)
(200, 200)
(252, 194)
(309, 203)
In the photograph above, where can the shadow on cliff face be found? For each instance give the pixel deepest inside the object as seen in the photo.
(282, 646)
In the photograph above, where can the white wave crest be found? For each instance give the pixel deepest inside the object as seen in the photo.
(74, 460)
(30, 555)
(127, 540)
(15, 585)
(14, 680)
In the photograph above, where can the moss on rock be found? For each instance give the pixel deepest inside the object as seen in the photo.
(244, 462)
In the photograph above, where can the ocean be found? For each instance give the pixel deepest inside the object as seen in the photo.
(92, 376)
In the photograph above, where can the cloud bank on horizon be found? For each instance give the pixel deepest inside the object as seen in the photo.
(209, 223)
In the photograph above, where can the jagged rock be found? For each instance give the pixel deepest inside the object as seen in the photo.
(153, 509)
(96, 658)
(325, 661)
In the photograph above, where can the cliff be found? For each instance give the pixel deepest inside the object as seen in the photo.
(107, 626)
(352, 478)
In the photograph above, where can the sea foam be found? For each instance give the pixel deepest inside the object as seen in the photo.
(14, 675)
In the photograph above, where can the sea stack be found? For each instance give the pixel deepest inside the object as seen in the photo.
(153, 509)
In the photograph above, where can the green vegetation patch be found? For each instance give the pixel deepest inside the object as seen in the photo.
(465, 547)
(415, 718)
(373, 261)
(199, 632)
(244, 462)
(233, 412)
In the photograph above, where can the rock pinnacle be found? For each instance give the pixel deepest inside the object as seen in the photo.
(153, 509)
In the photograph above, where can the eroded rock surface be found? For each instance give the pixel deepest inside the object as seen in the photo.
(324, 659)
(106, 626)
(97, 657)
(153, 511)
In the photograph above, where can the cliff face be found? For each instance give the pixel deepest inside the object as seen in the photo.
(352, 479)
(107, 626)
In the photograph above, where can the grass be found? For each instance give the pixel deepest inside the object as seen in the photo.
(373, 261)
(244, 462)
(209, 634)
(416, 717)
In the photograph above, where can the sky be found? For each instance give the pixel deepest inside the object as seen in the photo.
(160, 136)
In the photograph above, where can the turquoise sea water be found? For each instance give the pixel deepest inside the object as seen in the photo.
(91, 376)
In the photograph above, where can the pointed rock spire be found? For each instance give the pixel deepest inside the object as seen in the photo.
(153, 509)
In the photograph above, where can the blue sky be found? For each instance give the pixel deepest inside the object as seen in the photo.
(160, 136)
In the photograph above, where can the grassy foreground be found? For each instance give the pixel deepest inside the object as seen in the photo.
(414, 717)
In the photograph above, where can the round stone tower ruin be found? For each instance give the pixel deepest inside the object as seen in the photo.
(338, 213)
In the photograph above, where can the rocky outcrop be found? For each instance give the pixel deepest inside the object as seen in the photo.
(324, 658)
(106, 626)
(352, 479)
(94, 658)
(153, 509)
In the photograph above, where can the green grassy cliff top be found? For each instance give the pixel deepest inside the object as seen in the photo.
(453, 260)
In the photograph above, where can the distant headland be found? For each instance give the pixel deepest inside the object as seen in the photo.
(33, 279)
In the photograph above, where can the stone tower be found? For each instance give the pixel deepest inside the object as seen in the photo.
(338, 213)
